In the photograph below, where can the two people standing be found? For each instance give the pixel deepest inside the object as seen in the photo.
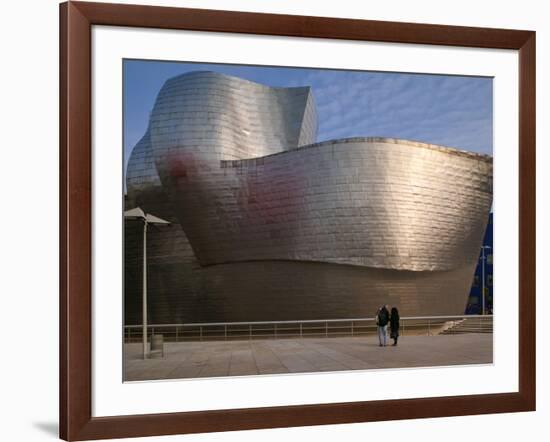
(383, 318)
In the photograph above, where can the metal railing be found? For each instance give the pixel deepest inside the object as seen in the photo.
(416, 325)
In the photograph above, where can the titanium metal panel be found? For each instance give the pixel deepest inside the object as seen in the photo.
(283, 228)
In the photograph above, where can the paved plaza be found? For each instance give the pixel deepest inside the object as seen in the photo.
(240, 358)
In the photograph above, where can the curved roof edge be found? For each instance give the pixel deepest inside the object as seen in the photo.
(235, 78)
(412, 143)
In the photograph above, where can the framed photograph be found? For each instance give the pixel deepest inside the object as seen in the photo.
(274, 220)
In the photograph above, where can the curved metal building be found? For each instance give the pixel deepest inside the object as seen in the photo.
(269, 225)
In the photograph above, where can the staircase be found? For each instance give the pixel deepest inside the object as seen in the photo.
(482, 324)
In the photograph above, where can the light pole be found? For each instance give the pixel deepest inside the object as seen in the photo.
(138, 213)
(483, 278)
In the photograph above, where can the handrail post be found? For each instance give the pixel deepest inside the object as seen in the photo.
(301, 336)
(326, 329)
(249, 332)
(275, 329)
(352, 328)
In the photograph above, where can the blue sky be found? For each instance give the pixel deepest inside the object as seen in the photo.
(452, 111)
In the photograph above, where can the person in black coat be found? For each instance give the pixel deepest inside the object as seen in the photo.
(394, 325)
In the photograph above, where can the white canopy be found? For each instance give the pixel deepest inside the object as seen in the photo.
(137, 212)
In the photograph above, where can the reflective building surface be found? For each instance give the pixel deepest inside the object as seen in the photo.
(269, 225)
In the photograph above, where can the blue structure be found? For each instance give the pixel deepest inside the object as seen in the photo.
(475, 301)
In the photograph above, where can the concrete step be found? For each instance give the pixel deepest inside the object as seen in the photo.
(470, 325)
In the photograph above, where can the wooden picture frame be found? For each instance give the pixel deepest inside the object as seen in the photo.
(76, 421)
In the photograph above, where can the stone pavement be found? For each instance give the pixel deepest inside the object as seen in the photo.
(238, 358)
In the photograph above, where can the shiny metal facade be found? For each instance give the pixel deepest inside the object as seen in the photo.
(283, 228)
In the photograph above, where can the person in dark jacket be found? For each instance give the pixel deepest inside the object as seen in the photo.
(382, 319)
(394, 325)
